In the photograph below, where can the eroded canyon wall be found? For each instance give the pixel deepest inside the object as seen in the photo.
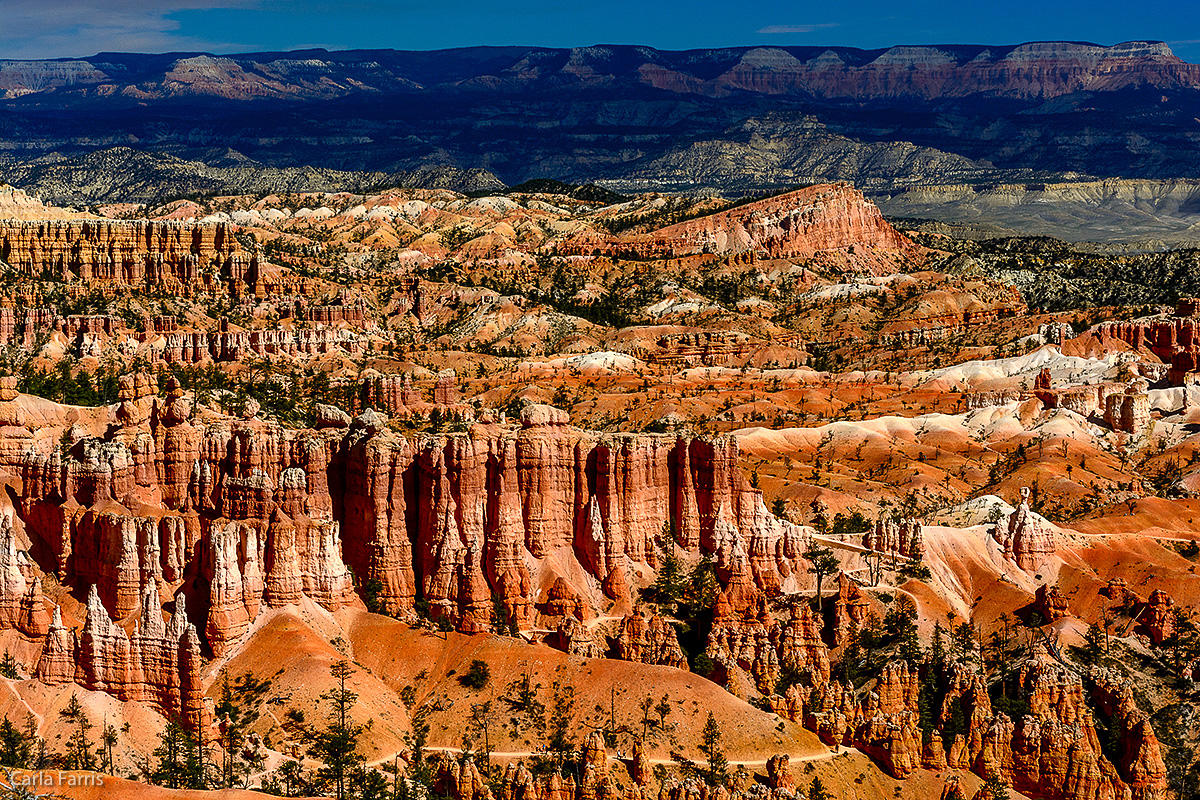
(219, 518)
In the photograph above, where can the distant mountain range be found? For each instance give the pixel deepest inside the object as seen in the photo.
(133, 126)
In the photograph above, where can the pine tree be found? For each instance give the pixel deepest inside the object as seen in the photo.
(416, 739)
(668, 583)
(700, 591)
(1093, 645)
(851, 656)
(15, 747)
(779, 507)
(178, 756)
(231, 730)
(336, 746)
(482, 718)
(937, 649)
(79, 753)
(824, 562)
(663, 709)
(108, 740)
(562, 706)
(995, 786)
(236, 708)
(817, 790)
(291, 772)
(287, 780)
(718, 765)
(369, 784)
(38, 758)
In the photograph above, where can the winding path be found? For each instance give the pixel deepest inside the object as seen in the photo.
(823, 756)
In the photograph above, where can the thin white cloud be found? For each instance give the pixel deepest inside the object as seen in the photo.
(797, 28)
(73, 28)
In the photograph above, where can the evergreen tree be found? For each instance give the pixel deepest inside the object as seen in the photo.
(108, 740)
(701, 588)
(852, 656)
(482, 718)
(663, 709)
(415, 740)
(937, 649)
(15, 747)
(236, 708)
(823, 562)
(995, 786)
(477, 675)
(1093, 645)
(562, 707)
(79, 753)
(963, 641)
(779, 507)
(817, 790)
(369, 784)
(179, 765)
(667, 588)
(38, 758)
(336, 746)
(909, 643)
(710, 745)
(287, 780)
(503, 622)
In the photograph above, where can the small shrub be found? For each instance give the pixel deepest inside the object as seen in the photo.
(476, 676)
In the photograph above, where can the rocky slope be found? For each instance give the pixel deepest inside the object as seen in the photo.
(1152, 214)
(241, 515)
(361, 452)
(1036, 69)
(161, 256)
(735, 118)
(800, 224)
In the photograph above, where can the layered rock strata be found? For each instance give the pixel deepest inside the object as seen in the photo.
(179, 258)
(754, 641)
(896, 536)
(799, 224)
(240, 515)
(1026, 539)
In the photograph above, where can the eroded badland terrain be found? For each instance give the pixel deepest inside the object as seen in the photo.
(563, 495)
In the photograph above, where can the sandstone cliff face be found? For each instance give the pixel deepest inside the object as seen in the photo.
(1158, 616)
(1046, 69)
(1051, 603)
(175, 257)
(763, 646)
(194, 347)
(241, 515)
(159, 663)
(22, 605)
(650, 640)
(1140, 763)
(463, 781)
(1054, 749)
(1026, 540)
(850, 608)
(1051, 752)
(901, 537)
(882, 722)
(1175, 341)
(800, 224)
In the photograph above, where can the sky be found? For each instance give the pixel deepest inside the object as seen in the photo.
(76, 28)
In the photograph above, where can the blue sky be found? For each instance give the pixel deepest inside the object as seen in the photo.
(66, 28)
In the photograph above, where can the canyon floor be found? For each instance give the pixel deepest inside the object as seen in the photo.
(560, 495)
